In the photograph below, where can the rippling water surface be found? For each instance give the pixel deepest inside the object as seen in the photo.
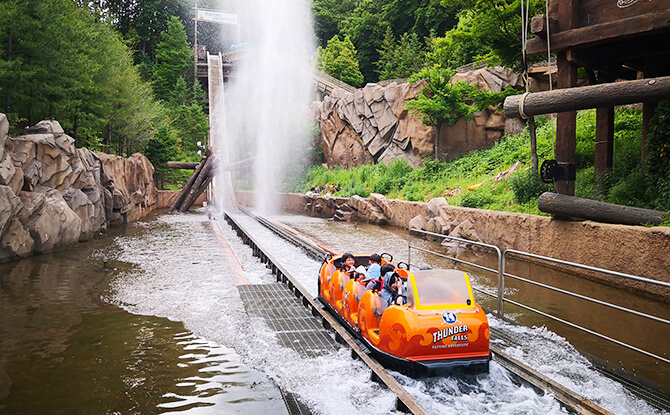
(65, 350)
(163, 329)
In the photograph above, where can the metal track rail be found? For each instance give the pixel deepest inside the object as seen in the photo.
(405, 401)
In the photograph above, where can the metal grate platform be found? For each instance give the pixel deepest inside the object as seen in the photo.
(295, 326)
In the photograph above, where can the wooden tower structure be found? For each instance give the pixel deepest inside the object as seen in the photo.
(616, 42)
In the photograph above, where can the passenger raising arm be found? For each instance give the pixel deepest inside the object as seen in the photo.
(393, 291)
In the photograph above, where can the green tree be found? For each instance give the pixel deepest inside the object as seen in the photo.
(173, 58)
(459, 46)
(142, 22)
(365, 26)
(496, 25)
(68, 64)
(444, 102)
(159, 150)
(328, 15)
(400, 60)
(338, 59)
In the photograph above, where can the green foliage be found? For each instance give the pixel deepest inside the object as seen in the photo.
(338, 59)
(658, 161)
(494, 27)
(400, 60)
(442, 102)
(64, 63)
(480, 199)
(528, 186)
(173, 58)
(458, 46)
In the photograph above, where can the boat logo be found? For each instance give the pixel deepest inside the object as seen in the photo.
(449, 318)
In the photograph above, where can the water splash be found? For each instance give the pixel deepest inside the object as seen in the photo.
(267, 100)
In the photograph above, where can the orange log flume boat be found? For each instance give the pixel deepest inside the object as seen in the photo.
(441, 330)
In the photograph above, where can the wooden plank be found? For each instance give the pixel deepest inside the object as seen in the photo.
(601, 33)
(593, 12)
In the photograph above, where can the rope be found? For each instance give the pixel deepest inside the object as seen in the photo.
(522, 102)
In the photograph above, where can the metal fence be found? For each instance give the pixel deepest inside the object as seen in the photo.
(502, 274)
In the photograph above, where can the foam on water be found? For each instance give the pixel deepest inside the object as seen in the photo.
(198, 288)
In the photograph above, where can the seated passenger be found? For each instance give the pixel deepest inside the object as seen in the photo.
(348, 264)
(374, 268)
(393, 292)
(377, 283)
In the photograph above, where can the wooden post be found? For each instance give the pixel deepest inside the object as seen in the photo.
(202, 177)
(648, 108)
(604, 149)
(566, 122)
(566, 126)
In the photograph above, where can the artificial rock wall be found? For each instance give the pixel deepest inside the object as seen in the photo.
(371, 124)
(53, 195)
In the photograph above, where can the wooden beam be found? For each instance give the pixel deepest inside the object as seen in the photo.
(569, 206)
(600, 33)
(593, 96)
(184, 191)
(182, 165)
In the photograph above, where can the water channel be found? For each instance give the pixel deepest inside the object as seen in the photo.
(161, 328)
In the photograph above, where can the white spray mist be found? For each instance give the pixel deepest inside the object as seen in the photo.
(267, 99)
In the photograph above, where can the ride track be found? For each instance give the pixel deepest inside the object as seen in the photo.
(404, 401)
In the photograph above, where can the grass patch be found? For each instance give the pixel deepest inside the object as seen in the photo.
(626, 183)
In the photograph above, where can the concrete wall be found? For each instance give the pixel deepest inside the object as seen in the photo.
(635, 250)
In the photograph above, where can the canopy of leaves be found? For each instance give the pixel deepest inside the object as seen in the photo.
(173, 58)
(65, 63)
(443, 102)
(491, 29)
(338, 59)
(402, 59)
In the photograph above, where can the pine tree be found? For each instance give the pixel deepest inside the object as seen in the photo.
(338, 59)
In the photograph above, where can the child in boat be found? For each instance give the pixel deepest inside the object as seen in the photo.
(348, 264)
(393, 291)
(377, 283)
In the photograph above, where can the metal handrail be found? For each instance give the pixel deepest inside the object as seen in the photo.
(502, 263)
(467, 241)
(501, 294)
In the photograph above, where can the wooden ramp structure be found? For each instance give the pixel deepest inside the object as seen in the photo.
(624, 47)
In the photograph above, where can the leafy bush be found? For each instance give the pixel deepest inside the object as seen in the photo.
(479, 198)
(528, 186)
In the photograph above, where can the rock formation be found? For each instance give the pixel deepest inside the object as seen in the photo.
(53, 194)
(371, 125)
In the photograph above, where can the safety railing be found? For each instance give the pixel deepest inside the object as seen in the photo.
(502, 274)
(461, 261)
(501, 294)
